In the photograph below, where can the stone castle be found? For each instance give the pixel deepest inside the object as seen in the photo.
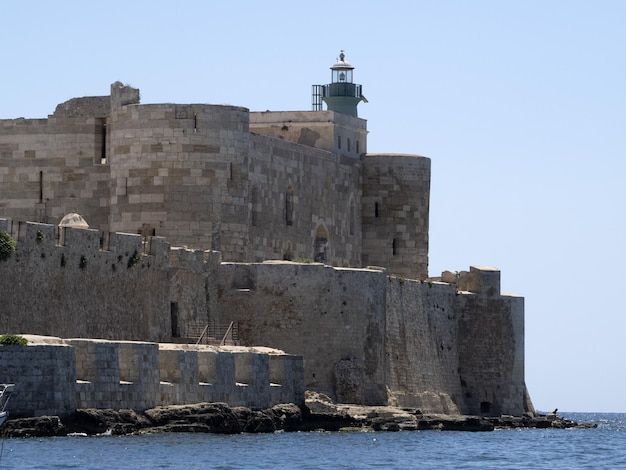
(279, 223)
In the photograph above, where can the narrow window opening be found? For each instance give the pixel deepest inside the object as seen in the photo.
(352, 216)
(338, 141)
(41, 186)
(174, 318)
(357, 146)
(289, 206)
(103, 146)
(254, 195)
(195, 122)
(376, 209)
(348, 144)
(394, 247)
(230, 171)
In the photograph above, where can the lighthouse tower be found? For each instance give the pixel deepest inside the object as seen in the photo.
(341, 94)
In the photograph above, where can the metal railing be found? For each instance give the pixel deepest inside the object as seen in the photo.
(217, 335)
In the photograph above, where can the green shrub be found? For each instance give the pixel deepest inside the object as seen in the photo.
(13, 340)
(7, 246)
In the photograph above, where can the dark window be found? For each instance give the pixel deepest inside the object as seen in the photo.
(394, 246)
(289, 206)
(103, 146)
(376, 209)
(352, 217)
(174, 318)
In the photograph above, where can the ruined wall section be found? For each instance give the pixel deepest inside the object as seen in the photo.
(421, 351)
(395, 213)
(333, 317)
(181, 171)
(305, 203)
(78, 290)
(49, 167)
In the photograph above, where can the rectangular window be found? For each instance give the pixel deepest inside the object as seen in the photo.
(289, 207)
(174, 319)
(348, 144)
(338, 141)
(376, 210)
(394, 247)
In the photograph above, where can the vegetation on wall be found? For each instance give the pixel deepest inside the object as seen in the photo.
(13, 340)
(7, 246)
(133, 260)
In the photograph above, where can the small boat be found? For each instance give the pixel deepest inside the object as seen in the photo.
(5, 394)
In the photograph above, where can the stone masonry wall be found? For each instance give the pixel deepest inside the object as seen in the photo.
(44, 378)
(395, 213)
(78, 290)
(49, 167)
(333, 317)
(293, 215)
(421, 350)
(55, 377)
(325, 130)
(180, 171)
(491, 346)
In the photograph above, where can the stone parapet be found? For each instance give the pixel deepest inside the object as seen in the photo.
(55, 377)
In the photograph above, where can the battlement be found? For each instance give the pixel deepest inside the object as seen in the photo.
(88, 373)
(91, 244)
(483, 280)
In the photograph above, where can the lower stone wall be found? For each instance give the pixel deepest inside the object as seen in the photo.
(44, 378)
(334, 317)
(55, 377)
(421, 352)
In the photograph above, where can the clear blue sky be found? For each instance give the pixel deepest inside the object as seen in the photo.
(519, 104)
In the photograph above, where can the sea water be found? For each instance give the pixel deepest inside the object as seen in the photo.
(601, 448)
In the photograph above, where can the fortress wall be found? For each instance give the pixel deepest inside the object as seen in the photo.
(180, 171)
(325, 130)
(421, 352)
(305, 203)
(55, 377)
(395, 213)
(491, 347)
(44, 377)
(77, 290)
(49, 167)
(333, 317)
(193, 292)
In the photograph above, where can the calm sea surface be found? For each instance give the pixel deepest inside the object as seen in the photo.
(601, 448)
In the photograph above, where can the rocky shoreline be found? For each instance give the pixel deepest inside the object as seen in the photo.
(317, 415)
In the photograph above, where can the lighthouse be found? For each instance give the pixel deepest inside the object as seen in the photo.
(341, 94)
